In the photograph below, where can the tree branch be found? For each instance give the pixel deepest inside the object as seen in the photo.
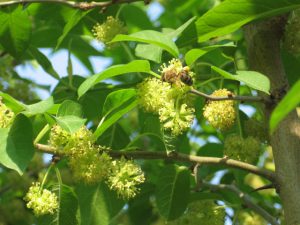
(236, 98)
(73, 4)
(245, 198)
(178, 157)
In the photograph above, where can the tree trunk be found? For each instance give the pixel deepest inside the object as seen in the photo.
(263, 41)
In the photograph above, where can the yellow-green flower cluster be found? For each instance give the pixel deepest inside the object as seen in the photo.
(242, 149)
(106, 31)
(220, 114)
(153, 94)
(87, 161)
(177, 121)
(91, 163)
(202, 213)
(41, 201)
(6, 115)
(169, 102)
(125, 177)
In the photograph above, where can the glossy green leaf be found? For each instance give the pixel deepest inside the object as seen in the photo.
(252, 79)
(98, 205)
(116, 115)
(173, 190)
(141, 66)
(70, 108)
(72, 22)
(40, 107)
(196, 53)
(230, 15)
(150, 37)
(15, 30)
(68, 206)
(70, 123)
(153, 52)
(116, 99)
(12, 103)
(286, 105)
(150, 52)
(43, 61)
(16, 144)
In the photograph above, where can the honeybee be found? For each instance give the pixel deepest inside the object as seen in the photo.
(185, 77)
(170, 76)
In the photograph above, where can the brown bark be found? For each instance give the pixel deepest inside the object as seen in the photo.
(264, 40)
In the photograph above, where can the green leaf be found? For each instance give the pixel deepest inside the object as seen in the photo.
(98, 205)
(230, 15)
(15, 30)
(70, 108)
(286, 105)
(252, 79)
(68, 206)
(16, 144)
(153, 52)
(12, 103)
(194, 54)
(116, 99)
(151, 37)
(70, 123)
(173, 190)
(40, 107)
(150, 52)
(116, 115)
(43, 61)
(72, 22)
(142, 66)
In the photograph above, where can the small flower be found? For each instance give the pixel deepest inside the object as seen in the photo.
(124, 178)
(106, 31)
(242, 149)
(153, 94)
(220, 114)
(6, 115)
(41, 201)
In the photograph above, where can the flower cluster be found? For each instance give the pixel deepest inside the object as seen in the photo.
(6, 115)
(220, 114)
(243, 149)
(124, 178)
(41, 201)
(202, 213)
(168, 97)
(106, 31)
(91, 163)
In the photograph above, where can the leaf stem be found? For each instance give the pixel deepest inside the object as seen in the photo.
(42, 133)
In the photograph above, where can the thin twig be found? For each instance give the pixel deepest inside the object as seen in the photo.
(178, 157)
(245, 198)
(73, 4)
(236, 98)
